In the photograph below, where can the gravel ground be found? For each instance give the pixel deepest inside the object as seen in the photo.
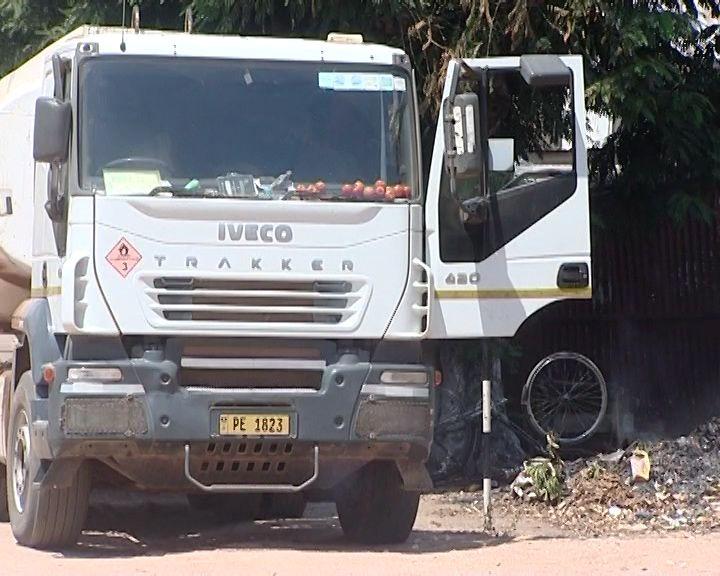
(128, 534)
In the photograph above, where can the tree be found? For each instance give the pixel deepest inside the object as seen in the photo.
(650, 64)
(26, 26)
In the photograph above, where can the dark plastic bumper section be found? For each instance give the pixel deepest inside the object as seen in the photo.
(175, 414)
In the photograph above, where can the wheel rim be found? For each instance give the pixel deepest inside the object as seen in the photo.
(566, 394)
(21, 461)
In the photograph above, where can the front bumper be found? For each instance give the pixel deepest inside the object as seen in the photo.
(150, 414)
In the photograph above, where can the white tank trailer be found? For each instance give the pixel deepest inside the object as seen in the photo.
(18, 92)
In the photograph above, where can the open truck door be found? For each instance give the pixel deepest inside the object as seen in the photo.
(507, 218)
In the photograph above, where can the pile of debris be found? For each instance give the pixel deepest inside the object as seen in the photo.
(666, 485)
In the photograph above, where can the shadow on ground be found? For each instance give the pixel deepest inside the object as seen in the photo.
(128, 524)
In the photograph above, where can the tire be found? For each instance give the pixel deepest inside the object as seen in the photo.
(592, 378)
(373, 507)
(4, 514)
(283, 506)
(228, 507)
(50, 518)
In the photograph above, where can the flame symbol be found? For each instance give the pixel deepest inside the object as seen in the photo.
(124, 250)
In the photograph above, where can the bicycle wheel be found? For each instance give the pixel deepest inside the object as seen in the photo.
(565, 394)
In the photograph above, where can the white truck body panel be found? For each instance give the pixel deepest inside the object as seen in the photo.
(82, 301)
(363, 245)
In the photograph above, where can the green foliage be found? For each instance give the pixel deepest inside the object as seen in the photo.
(649, 65)
(547, 483)
(547, 474)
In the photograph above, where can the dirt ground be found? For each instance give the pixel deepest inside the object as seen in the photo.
(128, 534)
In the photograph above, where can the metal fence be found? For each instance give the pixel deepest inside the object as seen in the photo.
(652, 326)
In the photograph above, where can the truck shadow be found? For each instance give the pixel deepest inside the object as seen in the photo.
(156, 526)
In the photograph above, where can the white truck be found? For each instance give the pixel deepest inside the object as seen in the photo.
(223, 272)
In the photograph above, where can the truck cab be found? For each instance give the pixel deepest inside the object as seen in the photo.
(240, 278)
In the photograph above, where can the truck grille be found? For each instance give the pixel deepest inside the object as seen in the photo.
(255, 302)
(239, 365)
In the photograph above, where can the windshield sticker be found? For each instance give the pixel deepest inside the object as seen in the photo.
(361, 82)
(130, 182)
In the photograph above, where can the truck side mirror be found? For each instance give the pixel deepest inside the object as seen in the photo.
(463, 135)
(51, 139)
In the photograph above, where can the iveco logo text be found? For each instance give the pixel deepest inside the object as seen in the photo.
(255, 232)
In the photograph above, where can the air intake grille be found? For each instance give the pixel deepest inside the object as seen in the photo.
(275, 302)
(247, 364)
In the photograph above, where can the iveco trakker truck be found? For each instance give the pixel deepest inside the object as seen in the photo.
(223, 272)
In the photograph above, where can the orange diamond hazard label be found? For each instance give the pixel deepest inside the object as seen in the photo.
(123, 257)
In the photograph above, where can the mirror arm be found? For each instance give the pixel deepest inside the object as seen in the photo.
(484, 148)
(53, 205)
(57, 67)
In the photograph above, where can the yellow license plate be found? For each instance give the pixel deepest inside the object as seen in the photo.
(255, 424)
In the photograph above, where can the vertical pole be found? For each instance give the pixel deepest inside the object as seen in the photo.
(486, 427)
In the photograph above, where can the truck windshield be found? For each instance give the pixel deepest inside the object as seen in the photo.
(248, 129)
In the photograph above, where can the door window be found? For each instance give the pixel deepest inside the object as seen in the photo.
(531, 169)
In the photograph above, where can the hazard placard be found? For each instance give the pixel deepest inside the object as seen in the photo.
(123, 257)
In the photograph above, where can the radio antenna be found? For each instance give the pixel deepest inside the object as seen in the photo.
(122, 33)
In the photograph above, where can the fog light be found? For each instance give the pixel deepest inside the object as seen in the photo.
(397, 377)
(392, 418)
(94, 374)
(123, 417)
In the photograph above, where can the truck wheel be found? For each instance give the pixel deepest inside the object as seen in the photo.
(373, 507)
(283, 506)
(228, 507)
(4, 516)
(50, 517)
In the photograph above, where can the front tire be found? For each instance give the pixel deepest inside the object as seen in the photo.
(373, 507)
(47, 517)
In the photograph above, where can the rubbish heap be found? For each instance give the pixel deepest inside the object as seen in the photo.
(666, 485)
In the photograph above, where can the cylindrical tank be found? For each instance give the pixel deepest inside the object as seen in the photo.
(18, 93)
(14, 285)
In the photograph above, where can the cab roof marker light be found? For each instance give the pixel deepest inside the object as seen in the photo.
(340, 38)
(400, 377)
(94, 374)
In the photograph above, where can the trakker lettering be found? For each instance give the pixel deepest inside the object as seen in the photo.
(268, 233)
(253, 263)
